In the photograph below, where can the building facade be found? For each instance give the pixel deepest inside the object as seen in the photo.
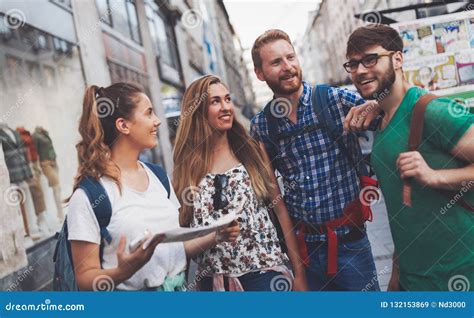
(51, 50)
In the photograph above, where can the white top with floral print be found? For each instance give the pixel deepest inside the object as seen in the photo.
(256, 248)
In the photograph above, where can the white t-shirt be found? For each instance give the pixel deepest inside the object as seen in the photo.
(133, 212)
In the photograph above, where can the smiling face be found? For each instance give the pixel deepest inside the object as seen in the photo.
(220, 112)
(142, 128)
(280, 67)
(377, 79)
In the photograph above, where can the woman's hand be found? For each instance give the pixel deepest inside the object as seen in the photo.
(228, 234)
(130, 263)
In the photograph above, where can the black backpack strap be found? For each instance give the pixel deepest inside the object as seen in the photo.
(271, 143)
(101, 206)
(320, 102)
(161, 175)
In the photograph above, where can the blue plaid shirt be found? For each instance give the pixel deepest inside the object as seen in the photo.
(319, 180)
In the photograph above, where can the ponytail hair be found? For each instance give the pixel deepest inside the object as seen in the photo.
(100, 110)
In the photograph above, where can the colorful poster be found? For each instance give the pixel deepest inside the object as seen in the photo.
(432, 72)
(451, 36)
(418, 41)
(470, 23)
(465, 66)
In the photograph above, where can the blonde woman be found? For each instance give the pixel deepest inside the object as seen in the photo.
(116, 125)
(217, 160)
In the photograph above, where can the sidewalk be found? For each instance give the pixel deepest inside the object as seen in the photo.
(381, 241)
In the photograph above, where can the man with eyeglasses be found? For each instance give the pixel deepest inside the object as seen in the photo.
(320, 178)
(426, 177)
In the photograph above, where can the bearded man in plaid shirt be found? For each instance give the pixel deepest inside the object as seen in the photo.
(319, 180)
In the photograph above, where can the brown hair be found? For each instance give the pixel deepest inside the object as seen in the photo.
(374, 34)
(100, 109)
(268, 36)
(192, 154)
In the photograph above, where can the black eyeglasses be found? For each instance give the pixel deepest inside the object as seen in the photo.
(370, 60)
(220, 201)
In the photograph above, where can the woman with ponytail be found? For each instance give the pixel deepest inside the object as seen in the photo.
(226, 171)
(118, 123)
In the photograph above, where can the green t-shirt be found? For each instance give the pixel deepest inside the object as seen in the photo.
(434, 240)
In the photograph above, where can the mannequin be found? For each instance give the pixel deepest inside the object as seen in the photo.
(49, 166)
(34, 183)
(19, 173)
(12, 249)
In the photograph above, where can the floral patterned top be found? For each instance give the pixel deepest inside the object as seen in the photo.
(256, 248)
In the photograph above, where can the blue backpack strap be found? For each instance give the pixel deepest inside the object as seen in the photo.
(320, 104)
(161, 175)
(101, 206)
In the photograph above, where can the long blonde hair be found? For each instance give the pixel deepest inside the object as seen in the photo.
(101, 107)
(193, 148)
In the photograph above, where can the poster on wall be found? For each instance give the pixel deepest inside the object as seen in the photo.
(465, 66)
(417, 41)
(432, 72)
(439, 51)
(451, 36)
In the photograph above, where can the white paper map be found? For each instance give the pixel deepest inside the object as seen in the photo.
(181, 234)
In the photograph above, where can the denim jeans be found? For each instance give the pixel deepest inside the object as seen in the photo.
(256, 281)
(355, 264)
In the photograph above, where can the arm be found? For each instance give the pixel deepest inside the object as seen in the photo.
(359, 112)
(281, 211)
(412, 164)
(87, 267)
(201, 244)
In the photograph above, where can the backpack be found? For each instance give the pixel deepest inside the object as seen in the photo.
(356, 213)
(320, 104)
(64, 278)
(414, 141)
